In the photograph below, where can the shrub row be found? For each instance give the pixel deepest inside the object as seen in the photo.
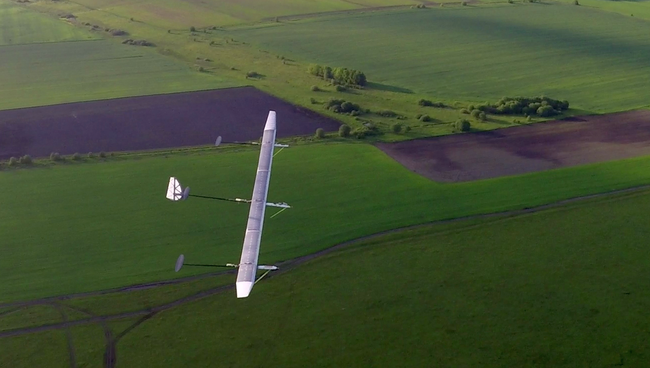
(542, 106)
(343, 107)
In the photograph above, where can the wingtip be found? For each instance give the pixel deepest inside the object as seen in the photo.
(270, 121)
(244, 289)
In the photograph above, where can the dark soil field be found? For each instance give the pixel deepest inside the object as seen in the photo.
(151, 122)
(512, 151)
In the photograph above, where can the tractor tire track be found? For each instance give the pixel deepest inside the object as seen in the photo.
(68, 334)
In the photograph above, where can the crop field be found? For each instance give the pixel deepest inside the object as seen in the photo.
(107, 224)
(491, 292)
(185, 13)
(53, 73)
(20, 26)
(571, 142)
(150, 122)
(596, 60)
(637, 9)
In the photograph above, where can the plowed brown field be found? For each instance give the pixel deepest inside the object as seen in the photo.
(151, 122)
(512, 151)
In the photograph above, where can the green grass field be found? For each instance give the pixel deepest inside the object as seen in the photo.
(596, 60)
(558, 288)
(86, 227)
(52, 73)
(20, 26)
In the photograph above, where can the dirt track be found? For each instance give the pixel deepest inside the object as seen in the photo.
(151, 122)
(528, 148)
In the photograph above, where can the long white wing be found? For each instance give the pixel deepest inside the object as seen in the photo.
(251, 248)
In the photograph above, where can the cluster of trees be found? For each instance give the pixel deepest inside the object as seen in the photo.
(424, 102)
(24, 160)
(541, 106)
(338, 75)
(137, 42)
(343, 107)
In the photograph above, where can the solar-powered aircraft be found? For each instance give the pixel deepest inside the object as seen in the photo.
(247, 267)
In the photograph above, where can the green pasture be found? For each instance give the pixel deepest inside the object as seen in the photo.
(557, 288)
(596, 60)
(52, 73)
(562, 288)
(82, 227)
(21, 26)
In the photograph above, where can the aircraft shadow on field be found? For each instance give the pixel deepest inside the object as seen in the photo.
(389, 88)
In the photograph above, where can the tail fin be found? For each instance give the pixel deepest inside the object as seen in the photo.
(175, 192)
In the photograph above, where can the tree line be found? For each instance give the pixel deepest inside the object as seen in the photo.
(339, 75)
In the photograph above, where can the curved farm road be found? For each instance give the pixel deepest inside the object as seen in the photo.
(110, 354)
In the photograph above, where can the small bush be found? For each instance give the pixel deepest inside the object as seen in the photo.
(54, 156)
(425, 118)
(192, 29)
(320, 133)
(344, 131)
(575, 2)
(387, 113)
(463, 125)
(13, 161)
(464, 3)
(76, 157)
(482, 116)
(340, 88)
(253, 74)
(407, 129)
(315, 88)
(396, 128)
(91, 155)
(102, 154)
(475, 113)
(464, 111)
(529, 119)
(25, 160)
(431, 103)
(359, 133)
(313, 101)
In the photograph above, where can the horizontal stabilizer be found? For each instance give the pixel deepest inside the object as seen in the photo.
(280, 204)
(175, 192)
